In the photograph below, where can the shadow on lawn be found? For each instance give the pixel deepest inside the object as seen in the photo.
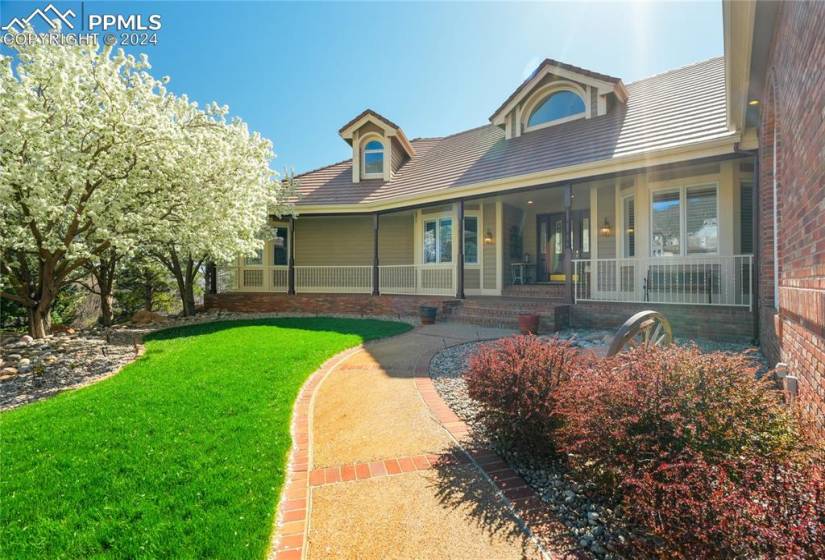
(460, 486)
(367, 329)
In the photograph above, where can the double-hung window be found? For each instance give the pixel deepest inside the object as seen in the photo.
(470, 239)
(629, 227)
(438, 240)
(280, 247)
(684, 221)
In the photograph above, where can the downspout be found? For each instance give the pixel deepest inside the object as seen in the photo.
(755, 248)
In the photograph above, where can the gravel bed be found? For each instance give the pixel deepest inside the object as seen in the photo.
(31, 370)
(596, 527)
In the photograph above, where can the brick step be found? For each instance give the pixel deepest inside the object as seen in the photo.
(517, 308)
(535, 290)
(545, 323)
(500, 313)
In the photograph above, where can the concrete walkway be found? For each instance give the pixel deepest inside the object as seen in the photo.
(384, 474)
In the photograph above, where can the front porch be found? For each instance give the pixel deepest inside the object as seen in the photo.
(678, 236)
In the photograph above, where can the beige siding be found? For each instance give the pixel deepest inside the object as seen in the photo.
(399, 156)
(396, 244)
(333, 241)
(472, 278)
(489, 249)
(606, 209)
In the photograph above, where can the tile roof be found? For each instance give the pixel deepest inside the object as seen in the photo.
(675, 108)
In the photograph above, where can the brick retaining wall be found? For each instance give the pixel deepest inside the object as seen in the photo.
(733, 324)
(344, 304)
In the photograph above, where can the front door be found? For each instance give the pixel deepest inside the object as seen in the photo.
(550, 238)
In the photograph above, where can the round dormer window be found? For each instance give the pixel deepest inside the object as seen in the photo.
(559, 106)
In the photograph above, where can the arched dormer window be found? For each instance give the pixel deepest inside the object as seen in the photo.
(557, 107)
(372, 160)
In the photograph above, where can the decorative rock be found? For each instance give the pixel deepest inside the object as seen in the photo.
(14, 357)
(144, 317)
(26, 339)
(23, 362)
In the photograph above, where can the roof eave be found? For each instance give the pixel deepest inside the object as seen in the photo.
(722, 145)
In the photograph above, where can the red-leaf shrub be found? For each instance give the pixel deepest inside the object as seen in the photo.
(514, 380)
(701, 455)
(748, 508)
(652, 406)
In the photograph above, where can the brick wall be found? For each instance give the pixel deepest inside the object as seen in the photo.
(733, 324)
(320, 304)
(793, 113)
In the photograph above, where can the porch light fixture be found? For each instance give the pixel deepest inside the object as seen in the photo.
(753, 102)
(529, 202)
(488, 237)
(606, 230)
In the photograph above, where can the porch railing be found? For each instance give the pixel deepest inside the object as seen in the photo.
(417, 279)
(409, 279)
(333, 279)
(252, 278)
(706, 280)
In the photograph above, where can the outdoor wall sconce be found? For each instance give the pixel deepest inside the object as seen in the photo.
(606, 230)
(488, 237)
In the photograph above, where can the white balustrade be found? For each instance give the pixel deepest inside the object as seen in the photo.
(695, 280)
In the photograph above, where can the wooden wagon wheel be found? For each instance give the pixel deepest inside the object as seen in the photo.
(645, 328)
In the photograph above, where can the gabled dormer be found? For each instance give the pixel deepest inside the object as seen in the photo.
(556, 93)
(379, 146)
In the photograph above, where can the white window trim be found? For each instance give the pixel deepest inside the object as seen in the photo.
(544, 93)
(366, 140)
(682, 190)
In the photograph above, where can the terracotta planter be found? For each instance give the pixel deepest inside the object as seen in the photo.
(427, 314)
(528, 324)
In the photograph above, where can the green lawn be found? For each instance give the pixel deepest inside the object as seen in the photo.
(180, 455)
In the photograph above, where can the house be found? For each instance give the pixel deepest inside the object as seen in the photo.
(776, 69)
(584, 199)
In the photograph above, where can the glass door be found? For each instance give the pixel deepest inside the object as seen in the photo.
(550, 236)
(550, 250)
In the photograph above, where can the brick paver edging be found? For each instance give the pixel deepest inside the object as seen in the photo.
(293, 507)
(522, 500)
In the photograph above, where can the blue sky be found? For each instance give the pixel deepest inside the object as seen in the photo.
(296, 72)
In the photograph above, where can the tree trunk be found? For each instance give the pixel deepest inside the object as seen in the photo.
(107, 312)
(40, 321)
(40, 318)
(148, 293)
(189, 298)
(185, 270)
(103, 271)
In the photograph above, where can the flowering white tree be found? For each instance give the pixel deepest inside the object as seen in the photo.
(221, 207)
(96, 157)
